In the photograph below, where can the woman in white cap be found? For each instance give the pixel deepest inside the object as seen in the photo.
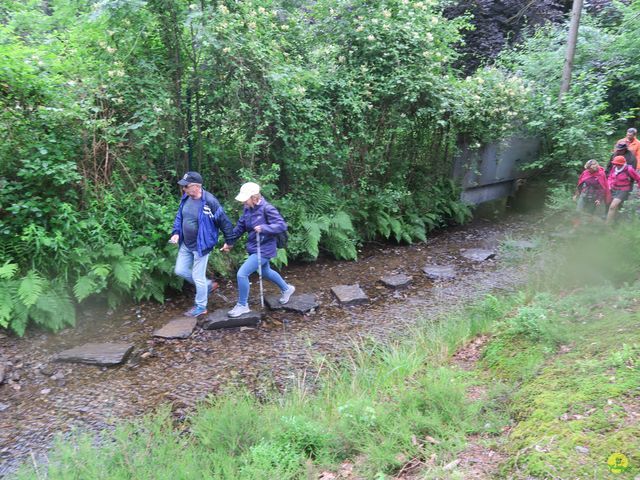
(258, 218)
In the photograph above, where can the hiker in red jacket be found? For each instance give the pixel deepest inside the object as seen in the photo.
(592, 191)
(620, 179)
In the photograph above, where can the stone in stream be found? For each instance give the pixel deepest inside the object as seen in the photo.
(2, 370)
(396, 281)
(302, 303)
(478, 254)
(177, 328)
(350, 294)
(104, 354)
(220, 319)
(439, 272)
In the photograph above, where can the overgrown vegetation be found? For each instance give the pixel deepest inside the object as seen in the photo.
(348, 114)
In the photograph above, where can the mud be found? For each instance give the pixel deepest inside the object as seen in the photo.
(51, 398)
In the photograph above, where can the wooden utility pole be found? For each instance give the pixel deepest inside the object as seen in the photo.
(571, 46)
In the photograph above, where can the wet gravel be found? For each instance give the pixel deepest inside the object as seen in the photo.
(41, 398)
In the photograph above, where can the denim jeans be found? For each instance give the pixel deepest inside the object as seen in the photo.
(250, 266)
(193, 268)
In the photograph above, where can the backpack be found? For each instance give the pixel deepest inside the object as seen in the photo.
(282, 238)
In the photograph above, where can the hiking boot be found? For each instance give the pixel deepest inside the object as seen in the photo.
(196, 311)
(213, 286)
(286, 295)
(238, 310)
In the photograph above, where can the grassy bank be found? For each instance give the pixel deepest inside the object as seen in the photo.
(551, 384)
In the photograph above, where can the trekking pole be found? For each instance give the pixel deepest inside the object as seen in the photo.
(260, 270)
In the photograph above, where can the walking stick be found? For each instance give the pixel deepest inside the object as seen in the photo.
(260, 270)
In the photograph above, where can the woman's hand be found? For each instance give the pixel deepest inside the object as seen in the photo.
(257, 228)
(226, 248)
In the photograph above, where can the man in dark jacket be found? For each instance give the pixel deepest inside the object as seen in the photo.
(195, 228)
(622, 149)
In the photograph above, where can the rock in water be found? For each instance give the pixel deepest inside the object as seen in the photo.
(478, 254)
(297, 303)
(439, 272)
(177, 328)
(350, 294)
(396, 281)
(104, 354)
(220, 319)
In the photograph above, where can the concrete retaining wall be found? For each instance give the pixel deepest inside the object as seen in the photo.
(493, 170)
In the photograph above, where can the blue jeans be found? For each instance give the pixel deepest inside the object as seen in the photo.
(248, 267)
(193, 268)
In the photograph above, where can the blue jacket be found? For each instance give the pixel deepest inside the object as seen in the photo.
(272, 223)
(211, 219)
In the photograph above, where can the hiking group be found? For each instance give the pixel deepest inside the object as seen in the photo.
(196, 228)
(602, 192)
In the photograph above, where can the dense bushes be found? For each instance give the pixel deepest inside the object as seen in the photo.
(347, 113)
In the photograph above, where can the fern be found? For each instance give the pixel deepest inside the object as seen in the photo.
(124, 271)
(6, 303)
(113, 250)
(30, 288)
(54, 310)
(101, 270)
(19, 319)
(84, 287)
(311, 239)
(8, 270)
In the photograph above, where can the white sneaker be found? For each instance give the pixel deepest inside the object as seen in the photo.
(286, 295)
(238, 310)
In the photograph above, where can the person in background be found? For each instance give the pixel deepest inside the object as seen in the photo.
(620, 181)
(621, 150)
(196, 227)
(592, 191)
(258, 218)
(633, 145)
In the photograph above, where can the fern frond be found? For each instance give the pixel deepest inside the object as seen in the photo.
(20, 318)
(311, 238)
(396, 228)
(113, 250)
(53, 310)
(84, 287)
(8, 270)
(342, 221)
(6, 303)
(124, 271)
(31, 287)
(101, 270)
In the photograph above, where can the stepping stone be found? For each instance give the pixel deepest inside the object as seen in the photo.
(103, 354)
(396, 281)
(439, 272)
(302, 303)
(350, 294)
(178, 328)
(478, 254)
(220, 319)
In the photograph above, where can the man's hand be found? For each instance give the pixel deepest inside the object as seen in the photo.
(174, 238)
(257, 228)
(226, 248)
(597, 203)
(575, 197)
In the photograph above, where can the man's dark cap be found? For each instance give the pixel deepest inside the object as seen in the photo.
(621, 146)
(190, 177)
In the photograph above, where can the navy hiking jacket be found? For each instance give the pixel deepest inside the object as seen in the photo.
(211, 220)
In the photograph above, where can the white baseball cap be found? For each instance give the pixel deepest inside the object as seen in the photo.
(248, 190)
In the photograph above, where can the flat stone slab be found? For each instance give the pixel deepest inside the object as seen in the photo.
(104, 354)
(350, 294)
(302, 303)
(396, 281)
(439, 272)
(177, 328)
(478, 254)
(219, 319)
